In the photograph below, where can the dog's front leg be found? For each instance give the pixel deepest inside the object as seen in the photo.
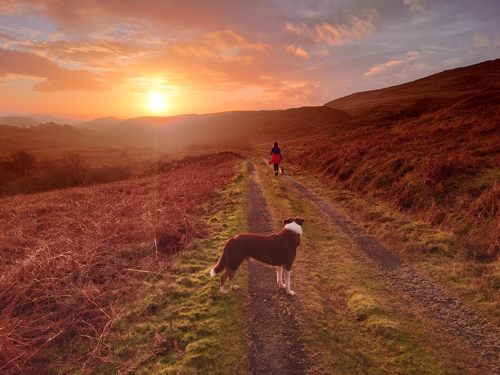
(279, 273)
(287, 283)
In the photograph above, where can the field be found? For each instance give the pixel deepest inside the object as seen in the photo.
(73, 262)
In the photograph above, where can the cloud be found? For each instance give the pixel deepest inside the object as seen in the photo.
(293, 93)
(25, 64)
(225, 45)
(481, 40)
(297, 51)
(106, 54)
(417, 6)
(213, 74)
(413, 55)
(485, 43)
(356, 27)
(381, 67)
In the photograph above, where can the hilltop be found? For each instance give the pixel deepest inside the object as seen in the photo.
(425, 95)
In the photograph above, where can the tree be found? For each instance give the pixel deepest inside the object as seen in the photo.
(77, 168)
(21, 163)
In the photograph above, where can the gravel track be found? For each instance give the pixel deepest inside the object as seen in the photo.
(276, 347)
(456, 319)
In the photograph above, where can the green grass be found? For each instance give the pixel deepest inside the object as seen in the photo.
(177, 322)
(351, 322)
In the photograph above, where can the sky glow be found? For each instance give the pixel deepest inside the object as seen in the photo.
(98, 58)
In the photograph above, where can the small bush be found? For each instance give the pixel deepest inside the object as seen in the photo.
(444, 167)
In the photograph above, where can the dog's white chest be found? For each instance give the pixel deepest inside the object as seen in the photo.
(295, 227)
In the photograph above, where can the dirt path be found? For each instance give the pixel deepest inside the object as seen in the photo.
(276, 347)
(404, 280)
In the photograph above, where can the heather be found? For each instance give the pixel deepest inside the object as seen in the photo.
(441, 168)
(70, 258)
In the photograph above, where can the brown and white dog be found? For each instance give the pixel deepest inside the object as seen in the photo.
(277, 249)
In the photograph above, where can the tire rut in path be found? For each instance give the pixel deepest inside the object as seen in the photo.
(455, 318)
(276, 347)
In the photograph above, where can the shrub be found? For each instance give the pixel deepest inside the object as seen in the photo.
(443, 167)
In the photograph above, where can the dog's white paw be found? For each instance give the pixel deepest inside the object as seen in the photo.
(291, 292)
(281, 285)
(223, 290)
(234, 287)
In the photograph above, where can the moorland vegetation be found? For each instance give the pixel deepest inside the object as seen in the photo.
(442, 167)
(74, 262)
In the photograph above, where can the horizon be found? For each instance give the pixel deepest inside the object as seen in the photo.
(127, 60)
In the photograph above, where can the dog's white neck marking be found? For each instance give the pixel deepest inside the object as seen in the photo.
(295, 227)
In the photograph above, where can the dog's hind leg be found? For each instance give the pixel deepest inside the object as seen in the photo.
(287, 283)
(279, 274)
(233, 285)
(222, 282)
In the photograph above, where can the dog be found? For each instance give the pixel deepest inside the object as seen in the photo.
(282, 169)
(277, 249)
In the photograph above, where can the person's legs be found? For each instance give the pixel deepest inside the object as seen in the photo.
(276, 168)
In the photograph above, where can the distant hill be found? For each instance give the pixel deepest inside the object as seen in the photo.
(463, 87)
(48, 139)
(441, 90)
(33, 120)
(100, 124)
(175, 133)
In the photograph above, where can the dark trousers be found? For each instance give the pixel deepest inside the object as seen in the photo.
(276, 167)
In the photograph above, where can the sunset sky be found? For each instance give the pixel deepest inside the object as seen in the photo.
(85, 59)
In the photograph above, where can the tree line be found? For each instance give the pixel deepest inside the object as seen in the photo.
(21, 173)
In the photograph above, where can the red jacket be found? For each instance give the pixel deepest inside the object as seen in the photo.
(275, 159)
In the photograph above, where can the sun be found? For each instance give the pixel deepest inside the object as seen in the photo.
(156, 101)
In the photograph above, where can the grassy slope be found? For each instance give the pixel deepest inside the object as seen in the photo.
(428, 187)
(208, 329)
(83, 291)
(442, 168)
(351, 322)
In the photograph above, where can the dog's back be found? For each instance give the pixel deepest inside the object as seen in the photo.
(276, 249)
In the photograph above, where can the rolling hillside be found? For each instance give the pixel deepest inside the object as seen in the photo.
(429, 148)
(425, 95)
(176, 133)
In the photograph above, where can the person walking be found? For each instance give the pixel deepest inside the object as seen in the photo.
(276, 157)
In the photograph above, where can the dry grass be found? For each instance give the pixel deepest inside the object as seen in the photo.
(438, 167)
(68, 258)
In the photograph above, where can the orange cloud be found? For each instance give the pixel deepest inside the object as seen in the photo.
(357, 27)
(292, 94)
(215, 75)
(101, 54)
(225, 45)
(381, 67)
(57, 79)
(297, 51)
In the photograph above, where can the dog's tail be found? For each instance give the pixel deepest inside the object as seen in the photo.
(221, 264)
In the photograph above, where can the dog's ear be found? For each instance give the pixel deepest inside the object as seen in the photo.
(299, 220)
(288, 221)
